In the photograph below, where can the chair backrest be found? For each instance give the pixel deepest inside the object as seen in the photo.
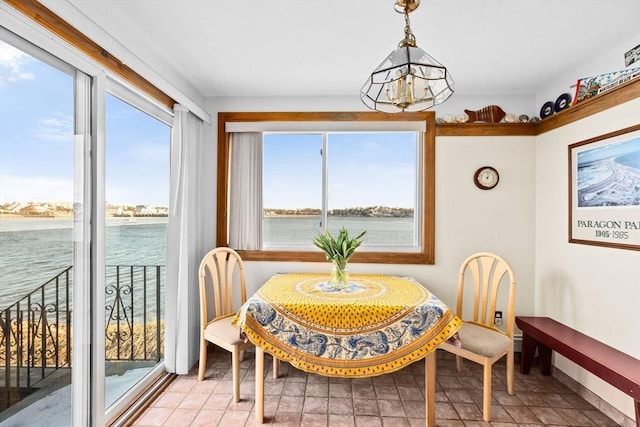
(488, 271)
(218, 270)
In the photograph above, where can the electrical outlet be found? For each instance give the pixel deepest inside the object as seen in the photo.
(497, 319)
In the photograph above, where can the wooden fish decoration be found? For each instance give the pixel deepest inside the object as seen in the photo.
(489, 114)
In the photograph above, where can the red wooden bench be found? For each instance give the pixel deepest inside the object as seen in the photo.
(613, 366)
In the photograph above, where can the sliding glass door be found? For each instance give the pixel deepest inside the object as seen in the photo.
(84, 192)
(136, 214)
(37, 258)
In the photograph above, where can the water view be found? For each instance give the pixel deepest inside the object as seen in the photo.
(42, 246)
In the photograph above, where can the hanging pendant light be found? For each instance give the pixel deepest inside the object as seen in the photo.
(408, 79)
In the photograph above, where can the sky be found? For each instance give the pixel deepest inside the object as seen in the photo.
(36, 151)
(606, 150)
(363, 170)
(37, 142)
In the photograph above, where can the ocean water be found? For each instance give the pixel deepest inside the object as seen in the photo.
(34, 250)
(381, 231)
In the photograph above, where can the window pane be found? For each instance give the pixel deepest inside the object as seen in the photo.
(137, 196)
(36, 236)
(292, 188)
(372, 186)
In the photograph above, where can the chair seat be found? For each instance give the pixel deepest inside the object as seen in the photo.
(482, 340)
(221, 331)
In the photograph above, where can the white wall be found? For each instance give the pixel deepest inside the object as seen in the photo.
(467, 219)
(592, 289)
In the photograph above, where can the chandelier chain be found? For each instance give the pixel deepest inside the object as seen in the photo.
(409, 38)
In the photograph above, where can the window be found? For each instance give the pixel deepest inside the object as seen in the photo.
(378, 178)
(357, 180)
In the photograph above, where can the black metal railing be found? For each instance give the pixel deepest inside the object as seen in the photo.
(35, 332)
(133, 313)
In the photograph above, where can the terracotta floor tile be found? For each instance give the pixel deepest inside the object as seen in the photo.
(287, 419)
(414, 408)
(368, 421)
(317, 389)
(365, 407)
(194, 400)
(181, 417)
(575, 417)
(391, 408)
(297, 399)
(386, 392)
(183, 384)
(410, 393)
(295, 388)
(169, 399)
(467, 411)
(207, 417)
(291, 404)
(458, 395)
(363, 391)
(548, 415)
(395, 422)
(315, 405)
(234, 418)
(340, 406)
(154, 416)
(314, 420)
(522, 415)
(340, 390)
(341, 420)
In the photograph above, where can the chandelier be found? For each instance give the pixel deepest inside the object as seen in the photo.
(408, 79)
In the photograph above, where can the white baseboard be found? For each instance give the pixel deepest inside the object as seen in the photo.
(517, 343)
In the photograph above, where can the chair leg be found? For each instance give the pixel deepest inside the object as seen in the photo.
(235, 366)
(276, 368)
(203, 359)
(486, 394)
(241, 355)
(510, 371)
(459, 363)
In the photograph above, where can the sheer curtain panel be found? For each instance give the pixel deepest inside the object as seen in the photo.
(185, 242)
(245, 191)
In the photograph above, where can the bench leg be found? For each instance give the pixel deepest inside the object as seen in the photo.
(544, 359)
(528, 351)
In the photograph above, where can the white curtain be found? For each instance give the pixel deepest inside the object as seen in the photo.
(184, 244)
(245, 191)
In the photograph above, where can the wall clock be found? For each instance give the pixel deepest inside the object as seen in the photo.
(486, 178)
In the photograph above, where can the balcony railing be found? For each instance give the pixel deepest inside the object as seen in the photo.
(35, 332)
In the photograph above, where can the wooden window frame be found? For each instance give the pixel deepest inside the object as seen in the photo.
(426, 254)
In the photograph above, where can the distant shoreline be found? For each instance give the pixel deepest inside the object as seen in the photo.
(35, 216)
(70, 216)
(43, 217)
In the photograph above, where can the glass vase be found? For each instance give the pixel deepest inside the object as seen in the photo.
(339, 278)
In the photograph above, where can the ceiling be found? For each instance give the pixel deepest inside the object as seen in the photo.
(328, 47)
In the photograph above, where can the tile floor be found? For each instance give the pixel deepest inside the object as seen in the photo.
(300, 399)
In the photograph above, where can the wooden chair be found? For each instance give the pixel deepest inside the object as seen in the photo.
(481, 341)
(221, 273)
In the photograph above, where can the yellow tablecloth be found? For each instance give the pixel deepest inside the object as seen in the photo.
(378, 324)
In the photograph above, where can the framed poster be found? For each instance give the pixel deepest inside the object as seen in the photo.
(604, 190)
